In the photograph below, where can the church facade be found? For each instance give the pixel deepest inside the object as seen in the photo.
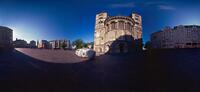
(117, 34)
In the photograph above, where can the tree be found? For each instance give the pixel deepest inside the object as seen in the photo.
(64, 45)
(92, 43)
(89, 45)
(85, 45)
(78, 43)
(147, 45)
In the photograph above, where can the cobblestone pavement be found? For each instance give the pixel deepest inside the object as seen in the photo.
(52, 56)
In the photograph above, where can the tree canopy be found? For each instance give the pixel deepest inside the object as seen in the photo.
(78, 43)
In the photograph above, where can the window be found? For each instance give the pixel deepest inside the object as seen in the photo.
(194, 44)
(128, 26)
(154, 37)
(100, 22)
(121, 25)
(137, 23)
(188, 43)
(113, 25)
(108, 27)
(136, 19)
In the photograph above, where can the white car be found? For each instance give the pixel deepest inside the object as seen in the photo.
(85, 53)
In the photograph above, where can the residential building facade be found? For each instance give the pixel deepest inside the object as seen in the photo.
(19, 43)
(43, 44)
(32, 44)
(58, 44)
(183, 36)
(6, 38)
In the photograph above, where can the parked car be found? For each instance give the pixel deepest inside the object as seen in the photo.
(85, 53)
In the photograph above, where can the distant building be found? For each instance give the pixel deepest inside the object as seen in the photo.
(19, 43)
(6, 38)
(59, 44)
(90, 45)
(43, 44)
(187, 36)
(117, 34)
(32, 44)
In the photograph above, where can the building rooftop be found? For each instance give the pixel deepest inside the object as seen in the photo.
(176, 27)
(187, 26)
(4, 27)
(119, 17)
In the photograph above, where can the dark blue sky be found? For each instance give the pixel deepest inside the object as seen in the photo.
(72, 19)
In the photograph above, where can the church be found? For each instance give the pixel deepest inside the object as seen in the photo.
(117, 34)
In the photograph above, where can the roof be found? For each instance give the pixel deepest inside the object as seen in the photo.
(5, 28)
(119, 17)
(187, 26)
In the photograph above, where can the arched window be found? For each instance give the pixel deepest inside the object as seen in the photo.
(128, 26)
(113, 25)
(100, 50)
(100, 22)
(121, 25)
(108, 27)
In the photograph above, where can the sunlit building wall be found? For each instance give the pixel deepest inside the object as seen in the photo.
(187, 36)
(43, 44)
(58, 44)
(32, 44)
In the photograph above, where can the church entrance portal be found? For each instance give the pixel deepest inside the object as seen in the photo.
(121, 47)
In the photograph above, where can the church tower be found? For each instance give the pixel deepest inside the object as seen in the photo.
(99, 31)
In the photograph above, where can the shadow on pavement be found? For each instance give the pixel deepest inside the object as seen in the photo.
(20, 72)
(172, 70)
(148, 71)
